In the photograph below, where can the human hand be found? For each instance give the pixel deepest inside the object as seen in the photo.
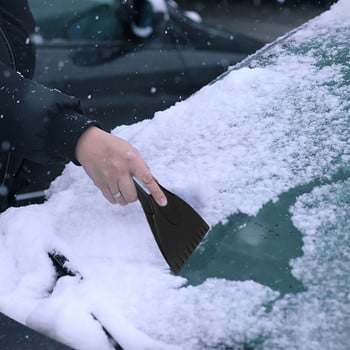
(111, 162)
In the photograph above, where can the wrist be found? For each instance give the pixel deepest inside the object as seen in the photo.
(86, 142)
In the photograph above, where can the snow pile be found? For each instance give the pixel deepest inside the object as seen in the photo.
(235, 145)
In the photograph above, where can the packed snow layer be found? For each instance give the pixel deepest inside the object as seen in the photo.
(277, 123)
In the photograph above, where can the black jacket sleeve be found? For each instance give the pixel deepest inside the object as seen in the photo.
(41, 124)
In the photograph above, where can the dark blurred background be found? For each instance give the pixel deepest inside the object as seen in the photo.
(262, 19)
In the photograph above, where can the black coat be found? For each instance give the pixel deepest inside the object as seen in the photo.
(37, 124)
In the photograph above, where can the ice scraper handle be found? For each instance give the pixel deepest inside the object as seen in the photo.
(150, 206)
(144, 197)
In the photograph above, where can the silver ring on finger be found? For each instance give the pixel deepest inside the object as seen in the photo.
(117, 195)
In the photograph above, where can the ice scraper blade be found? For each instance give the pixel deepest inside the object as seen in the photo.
(177, 228)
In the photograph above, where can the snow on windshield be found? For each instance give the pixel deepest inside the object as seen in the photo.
(278, 123)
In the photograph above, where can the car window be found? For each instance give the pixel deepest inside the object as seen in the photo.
(78, 19)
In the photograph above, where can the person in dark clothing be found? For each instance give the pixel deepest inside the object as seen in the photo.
(44, 126)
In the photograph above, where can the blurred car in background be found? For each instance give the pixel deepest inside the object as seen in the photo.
(87, 49)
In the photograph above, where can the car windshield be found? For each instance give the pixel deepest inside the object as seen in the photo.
(263, 154)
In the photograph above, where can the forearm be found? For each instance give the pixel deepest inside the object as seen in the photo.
(41, 124)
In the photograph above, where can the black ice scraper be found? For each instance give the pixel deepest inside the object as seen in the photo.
(177, 228)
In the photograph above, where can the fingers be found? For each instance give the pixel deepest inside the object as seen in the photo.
(117, 196)
(112, 195)
(142, 172)
(152, 185)
(127, 193)
(127, 188)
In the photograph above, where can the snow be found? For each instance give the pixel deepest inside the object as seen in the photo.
(278, 123)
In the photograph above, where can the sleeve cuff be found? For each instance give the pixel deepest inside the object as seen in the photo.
(64, 135)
